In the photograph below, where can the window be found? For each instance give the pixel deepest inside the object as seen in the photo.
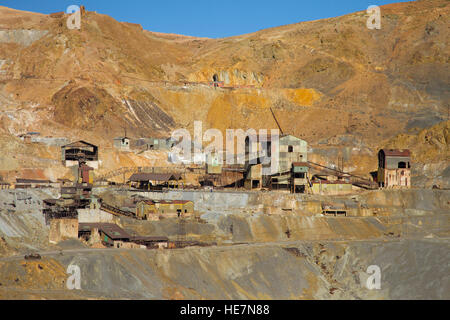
(401, 165)
(291, 149)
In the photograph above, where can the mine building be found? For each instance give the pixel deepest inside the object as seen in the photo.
(299, 177)
(394, 168)
(109, 233)
(113, 236)
(85, 178)
(64, 182)
(291, 149)
(213, 165)
(81, 151)
(59, 209)
(4, 185)
(253, 177)
(213, 171)
(28, 137)
(32, 183)
(331, 187)
(156, 181)
(122, 143)
(151, 242)
(334, 209)
(153, 143)
(154, 209)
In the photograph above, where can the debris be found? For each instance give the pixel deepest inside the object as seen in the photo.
(33, 256)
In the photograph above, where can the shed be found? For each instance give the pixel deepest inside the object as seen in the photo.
(122, 143)
(109, 232)
(79, 151)
(154, 209)
(155, 181)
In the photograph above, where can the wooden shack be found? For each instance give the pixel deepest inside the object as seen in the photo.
(81, 151)
(156, 209)
(155, 181)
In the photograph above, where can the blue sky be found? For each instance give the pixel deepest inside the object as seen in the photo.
(205, 18)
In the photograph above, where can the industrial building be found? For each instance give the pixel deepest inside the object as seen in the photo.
(111, 235)
(81, 151)
(122, 143)
(32, 183)
(299, 177)
(253, 178)
(291, 149)
(154, 209)
(153, 143)
(394, 168)
(156, 181)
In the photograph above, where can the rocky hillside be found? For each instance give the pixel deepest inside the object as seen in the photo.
(326, 80)
(319, 258)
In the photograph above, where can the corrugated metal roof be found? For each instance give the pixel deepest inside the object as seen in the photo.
(300, 164)
(154, 177)
(397, 152)
(150, 238)
(80, 143)
(112, 230)
(32, 181)
(329, 182)
(181, 201)
(151, 202)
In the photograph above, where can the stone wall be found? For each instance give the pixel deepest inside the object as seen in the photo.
(63, 229)
(94, 215)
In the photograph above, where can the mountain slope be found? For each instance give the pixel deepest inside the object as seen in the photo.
(324, 79)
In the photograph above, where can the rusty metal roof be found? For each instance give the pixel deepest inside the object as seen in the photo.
(150, 238)
(32, 181)
(112, 230)
(397, 152)
(181, 201)
(151, 202)
(300, 164)
(80, 143)
(154, 177)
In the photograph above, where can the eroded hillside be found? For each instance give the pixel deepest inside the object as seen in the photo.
(332, 82)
